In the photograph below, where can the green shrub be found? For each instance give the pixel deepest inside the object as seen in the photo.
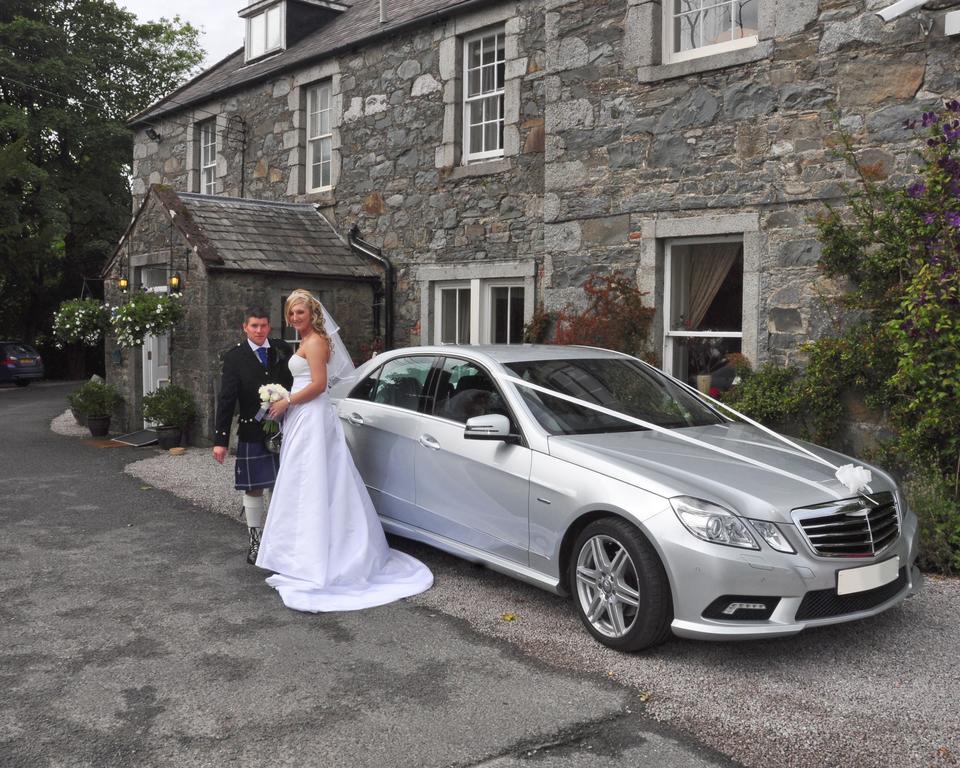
(96, 398)
(170, 406)
(768, 395)
(932, 500)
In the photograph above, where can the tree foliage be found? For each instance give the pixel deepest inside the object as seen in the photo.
(71, 73)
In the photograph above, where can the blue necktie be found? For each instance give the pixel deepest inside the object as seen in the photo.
(262, 354)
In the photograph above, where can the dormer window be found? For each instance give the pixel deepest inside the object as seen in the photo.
(265, 28)
(276, 25)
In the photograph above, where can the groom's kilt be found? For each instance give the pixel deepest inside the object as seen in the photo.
(256, 467)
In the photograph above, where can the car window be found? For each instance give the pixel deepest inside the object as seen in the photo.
(465, 390)
(367, 387)
(15, 350)
(402, 382)
(619, 384)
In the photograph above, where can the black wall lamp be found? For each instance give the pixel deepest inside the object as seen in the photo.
(175, 282)
(152, 134)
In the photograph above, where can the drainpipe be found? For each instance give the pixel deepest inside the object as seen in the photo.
(362, 246)
(383, 11)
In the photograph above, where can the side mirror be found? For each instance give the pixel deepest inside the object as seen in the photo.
(493, 426)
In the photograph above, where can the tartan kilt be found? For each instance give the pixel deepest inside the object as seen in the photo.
(256, 467)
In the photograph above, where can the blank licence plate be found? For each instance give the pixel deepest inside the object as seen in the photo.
(26, 361)
(853, 580)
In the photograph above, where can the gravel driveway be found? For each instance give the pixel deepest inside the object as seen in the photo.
(880, 692)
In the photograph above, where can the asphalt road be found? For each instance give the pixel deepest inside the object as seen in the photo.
(133, 634)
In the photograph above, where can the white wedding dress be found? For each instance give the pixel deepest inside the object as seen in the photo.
(322, 538)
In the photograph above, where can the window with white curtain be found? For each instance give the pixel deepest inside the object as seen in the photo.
(694, 28)
(484, 67)
(703, 310)
(208, 157)
(319, 137)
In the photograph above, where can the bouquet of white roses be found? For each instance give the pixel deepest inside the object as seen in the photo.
(270, 394)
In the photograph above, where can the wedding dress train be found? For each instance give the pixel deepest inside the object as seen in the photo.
(323, 539)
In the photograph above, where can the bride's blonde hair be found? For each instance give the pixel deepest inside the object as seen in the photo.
(301, 296)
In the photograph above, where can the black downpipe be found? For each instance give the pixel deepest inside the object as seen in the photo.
(365, 248)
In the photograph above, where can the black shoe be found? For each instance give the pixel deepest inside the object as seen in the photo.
(254, 545)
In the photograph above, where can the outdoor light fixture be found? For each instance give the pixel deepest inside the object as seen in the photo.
(152, 134)
(123, 283)
(175, 282)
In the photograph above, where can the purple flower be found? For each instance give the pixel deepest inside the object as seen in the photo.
(953, 105)
(929, 218)
(916, 190)
(951, 133)
(929, 118)
(953, 219)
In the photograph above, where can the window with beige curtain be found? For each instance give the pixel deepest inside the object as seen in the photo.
(705, 309)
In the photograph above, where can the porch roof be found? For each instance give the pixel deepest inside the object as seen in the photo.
(238, 234)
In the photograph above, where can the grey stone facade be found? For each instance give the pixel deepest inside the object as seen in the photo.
(608, 151)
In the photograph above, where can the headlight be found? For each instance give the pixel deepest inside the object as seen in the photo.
(712, 523)
(772, 535)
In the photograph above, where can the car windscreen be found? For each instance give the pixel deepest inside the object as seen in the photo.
(619, 384)
(19, 350)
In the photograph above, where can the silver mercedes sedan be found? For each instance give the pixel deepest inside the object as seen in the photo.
(531, 460)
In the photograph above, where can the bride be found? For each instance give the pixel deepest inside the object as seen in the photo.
(322, 539)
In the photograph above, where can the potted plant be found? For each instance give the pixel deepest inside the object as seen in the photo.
(96, 401)
(75, 402)
(146, 314)
(79, 321)
(172, 408)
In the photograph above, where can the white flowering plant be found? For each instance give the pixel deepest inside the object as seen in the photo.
(270, 394)
(80, 321)
(146, 314)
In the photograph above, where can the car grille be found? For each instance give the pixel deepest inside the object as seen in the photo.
(861, 527)
(824, 603)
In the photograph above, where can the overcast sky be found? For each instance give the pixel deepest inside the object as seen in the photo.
(221, 30)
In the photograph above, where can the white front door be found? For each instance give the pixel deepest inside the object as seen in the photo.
(156, 349)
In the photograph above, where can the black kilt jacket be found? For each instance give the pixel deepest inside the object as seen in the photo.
(243, 375)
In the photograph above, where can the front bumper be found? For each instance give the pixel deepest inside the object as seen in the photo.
(701, 573)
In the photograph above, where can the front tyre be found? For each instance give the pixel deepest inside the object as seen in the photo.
(619, 586)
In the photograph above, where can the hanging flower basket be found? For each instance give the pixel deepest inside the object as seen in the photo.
(80, 321)
(146, 314)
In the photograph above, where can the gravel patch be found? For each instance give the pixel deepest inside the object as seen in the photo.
(879, 692)
(65, 424)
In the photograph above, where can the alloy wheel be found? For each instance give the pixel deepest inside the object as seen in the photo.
(607, 586)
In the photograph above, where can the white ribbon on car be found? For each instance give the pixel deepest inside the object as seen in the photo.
(854, 478)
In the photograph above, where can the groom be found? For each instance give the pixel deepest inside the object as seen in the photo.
(256, 361)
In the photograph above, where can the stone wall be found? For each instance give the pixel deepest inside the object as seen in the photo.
(603, 141)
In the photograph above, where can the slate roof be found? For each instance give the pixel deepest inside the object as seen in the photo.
(243, 235)
(360, 23)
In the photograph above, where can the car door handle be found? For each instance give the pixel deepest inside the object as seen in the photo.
(355, 418)
(429, 442)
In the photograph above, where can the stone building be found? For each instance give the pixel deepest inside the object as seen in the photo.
(499, 153)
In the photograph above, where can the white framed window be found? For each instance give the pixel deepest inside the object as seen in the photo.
(265, 32)
(484, 67)
(453, 313)
(506, 313)
(480, 312)
(319, 137)
(208, 157)
(703, 310)
(695, 28)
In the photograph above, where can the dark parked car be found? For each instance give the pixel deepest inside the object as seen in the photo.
(19, 363)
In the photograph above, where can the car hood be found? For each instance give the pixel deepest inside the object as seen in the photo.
(669, 467)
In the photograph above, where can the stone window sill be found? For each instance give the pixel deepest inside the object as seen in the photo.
(651, 74)
(323, 198)
(480, 169)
